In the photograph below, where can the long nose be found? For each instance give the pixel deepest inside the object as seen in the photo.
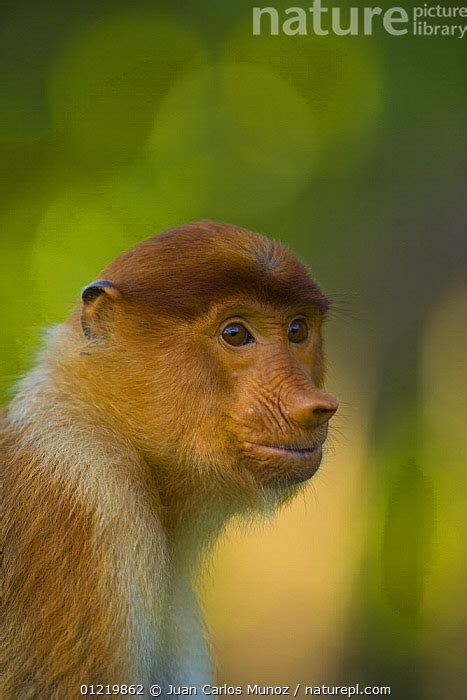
(311, 408)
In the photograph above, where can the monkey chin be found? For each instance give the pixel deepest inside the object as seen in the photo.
(277, 466)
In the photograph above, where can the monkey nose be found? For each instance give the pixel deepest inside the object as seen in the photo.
(314, 408)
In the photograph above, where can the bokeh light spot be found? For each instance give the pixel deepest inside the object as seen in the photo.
(245, 132)
(341, 79)
(74, 241)
(106, 85)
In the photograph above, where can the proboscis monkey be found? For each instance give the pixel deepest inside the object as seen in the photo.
(184, 389)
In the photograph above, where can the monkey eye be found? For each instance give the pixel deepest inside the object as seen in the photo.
(298, 331)
(236, 334)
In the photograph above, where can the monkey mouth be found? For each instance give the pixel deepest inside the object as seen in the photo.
(279, 463)
(293, 450)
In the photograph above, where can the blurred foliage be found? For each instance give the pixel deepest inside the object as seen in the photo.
(119, 121)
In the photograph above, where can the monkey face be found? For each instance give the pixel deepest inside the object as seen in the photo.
(275, 416)
(212, 336)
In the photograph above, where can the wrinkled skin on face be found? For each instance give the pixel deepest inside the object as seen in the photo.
(212, 334)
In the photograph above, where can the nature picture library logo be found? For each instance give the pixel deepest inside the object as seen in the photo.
(321, 20)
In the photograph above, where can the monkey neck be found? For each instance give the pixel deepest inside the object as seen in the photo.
(193, 524)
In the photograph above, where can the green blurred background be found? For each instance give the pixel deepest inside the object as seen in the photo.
(119, 119)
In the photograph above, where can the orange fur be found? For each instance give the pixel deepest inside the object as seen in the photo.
(137, 436)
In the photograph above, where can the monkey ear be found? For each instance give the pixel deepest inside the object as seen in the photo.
(98, 298)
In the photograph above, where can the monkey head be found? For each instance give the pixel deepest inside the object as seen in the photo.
(203, 345)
